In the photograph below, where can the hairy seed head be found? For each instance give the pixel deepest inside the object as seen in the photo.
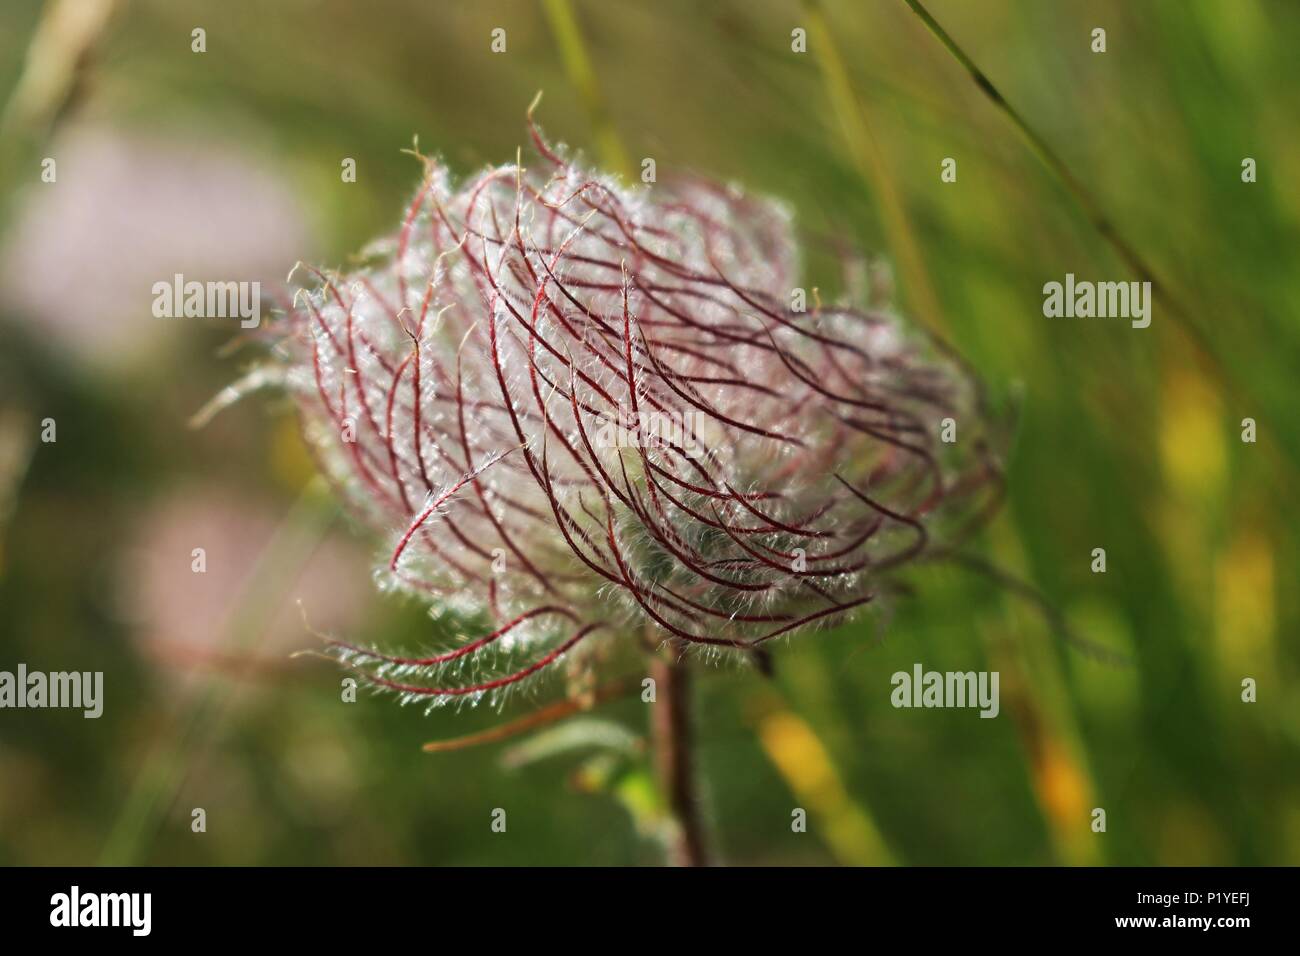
(582, 410)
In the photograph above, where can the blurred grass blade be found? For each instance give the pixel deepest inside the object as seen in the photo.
(874, 170)
(68, 32)
(803, 762)
(1091, 208)
(577, 64)
(17, 446)
(57, 56)
(159, 782)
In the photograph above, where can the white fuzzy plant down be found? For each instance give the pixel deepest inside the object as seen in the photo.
(586, 412)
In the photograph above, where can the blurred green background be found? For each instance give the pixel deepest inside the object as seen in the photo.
(226, 164)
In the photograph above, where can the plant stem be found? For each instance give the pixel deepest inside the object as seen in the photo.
(671, 732)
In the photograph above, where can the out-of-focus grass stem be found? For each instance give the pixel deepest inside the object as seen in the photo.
(1044, 734)
(1090, 206)
(159, 782)
(874, 169)
(58, 58)
(577, 64)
